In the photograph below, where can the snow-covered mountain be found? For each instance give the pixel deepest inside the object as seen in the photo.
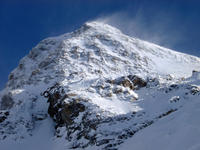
(96, 88)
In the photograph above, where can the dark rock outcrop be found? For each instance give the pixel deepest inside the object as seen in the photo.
(6, 102)
(131, 81)
(73, 113)
(63, 112)
(3, 116)
(137, 81)
(70, 111)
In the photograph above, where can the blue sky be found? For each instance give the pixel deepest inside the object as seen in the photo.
(170, 23)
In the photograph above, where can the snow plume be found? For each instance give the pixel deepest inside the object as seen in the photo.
(158, 28)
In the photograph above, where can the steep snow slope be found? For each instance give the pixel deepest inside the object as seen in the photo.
(178, 131)
(102, 86)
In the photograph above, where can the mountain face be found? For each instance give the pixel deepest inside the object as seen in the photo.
(96, 88)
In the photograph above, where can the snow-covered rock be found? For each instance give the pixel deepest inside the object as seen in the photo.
(99, 86)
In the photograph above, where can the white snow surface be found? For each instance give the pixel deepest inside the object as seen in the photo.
(84, 59)
(178, 131)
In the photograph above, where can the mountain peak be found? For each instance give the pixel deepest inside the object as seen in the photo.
(101, 26)
(98, 49)
(98, 85)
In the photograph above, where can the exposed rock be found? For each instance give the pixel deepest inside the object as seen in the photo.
(195, 73)
(131, 81)
(167, 113)
(174, 99)
(44, 64)
(11, 76)
(137, 81)
(117, 90)
(194, 89)
(6, 102)
(37, 117)
(3, 116)
(37, 71)
(61, 111)
(69, 111)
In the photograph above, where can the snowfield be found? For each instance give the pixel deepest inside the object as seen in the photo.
(96, 88)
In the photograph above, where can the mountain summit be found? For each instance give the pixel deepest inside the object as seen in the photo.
(96, 88)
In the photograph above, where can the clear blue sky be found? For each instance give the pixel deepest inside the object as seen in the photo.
(24, 23)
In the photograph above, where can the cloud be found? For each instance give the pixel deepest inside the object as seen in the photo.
(159, 28)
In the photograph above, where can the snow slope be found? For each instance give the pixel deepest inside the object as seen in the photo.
(178, 131)
(78, 66)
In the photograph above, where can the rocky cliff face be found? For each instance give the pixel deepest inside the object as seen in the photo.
(98, 85)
